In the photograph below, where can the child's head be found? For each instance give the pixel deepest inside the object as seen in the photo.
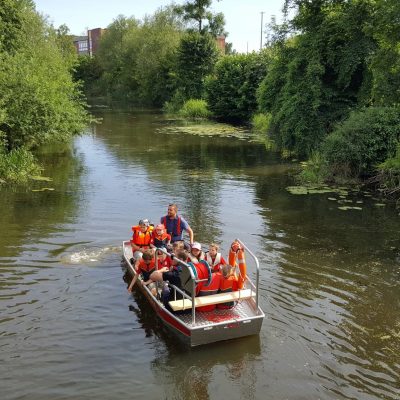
(180, 255)
(160, 229)
(226, 270)
(147, 256)
(176, 246)
(144, 224)
(196, 249)
(213, 249)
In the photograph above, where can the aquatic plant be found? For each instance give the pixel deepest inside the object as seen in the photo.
(194, 109)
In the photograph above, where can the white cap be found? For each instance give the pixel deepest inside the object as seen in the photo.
(196, 245)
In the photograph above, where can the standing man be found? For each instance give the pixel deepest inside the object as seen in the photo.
(175, 224)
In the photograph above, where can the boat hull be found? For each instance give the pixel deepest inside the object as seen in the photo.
(209, 327)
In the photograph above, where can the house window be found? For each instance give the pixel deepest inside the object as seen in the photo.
(83, 46)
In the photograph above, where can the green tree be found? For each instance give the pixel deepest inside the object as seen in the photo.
(39, 99)
(198, 11)
(320, 74)
(196, 58)
(231, 89)
(385, 61)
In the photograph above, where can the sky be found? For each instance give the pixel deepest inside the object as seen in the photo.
(243, 17)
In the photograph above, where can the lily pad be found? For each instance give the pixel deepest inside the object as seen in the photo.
(42, 189)
(345, 208)
(297, 189)
(41, 178)
(332, 198)
(380, 205)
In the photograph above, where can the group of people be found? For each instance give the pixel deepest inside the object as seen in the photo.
(150, 246)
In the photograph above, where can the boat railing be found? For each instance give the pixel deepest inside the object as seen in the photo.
(195, 281)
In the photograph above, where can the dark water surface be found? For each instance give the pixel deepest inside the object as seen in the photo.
(330, 279)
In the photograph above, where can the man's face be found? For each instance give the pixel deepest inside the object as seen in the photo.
(171, 212)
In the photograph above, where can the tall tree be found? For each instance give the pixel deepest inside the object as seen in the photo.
(204, 19)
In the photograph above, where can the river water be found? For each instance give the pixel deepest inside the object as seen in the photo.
(330, 278)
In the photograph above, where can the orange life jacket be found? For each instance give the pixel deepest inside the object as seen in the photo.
(228, 284)
(139, 238)
(146, 269)
(160, 240)
(205, 289)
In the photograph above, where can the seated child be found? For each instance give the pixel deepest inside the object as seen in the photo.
(160, 237)
(229, 283)
(164, 262)
(171, 275)
(214, 259)
(145, 266)
(195, 254)
(141, 238)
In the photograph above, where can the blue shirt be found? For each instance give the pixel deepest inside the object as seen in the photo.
(172, 227)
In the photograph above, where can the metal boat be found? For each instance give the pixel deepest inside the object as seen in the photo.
(198, 327)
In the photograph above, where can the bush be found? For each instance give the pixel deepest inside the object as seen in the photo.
(389, 174)
(231, 90)
(260, 122)
(194, 109)
(367, 138)
(314, 170)
(17, 165)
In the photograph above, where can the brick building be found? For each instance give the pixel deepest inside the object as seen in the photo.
(88, 45)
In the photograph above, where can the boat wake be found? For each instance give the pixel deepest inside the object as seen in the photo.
(89, 255)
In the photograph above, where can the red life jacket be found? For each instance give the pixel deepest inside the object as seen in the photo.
(176, 229)
(228, 284)
(139, 238)
(164, 263)
(146, 269)
(205, 289)
(160, 240)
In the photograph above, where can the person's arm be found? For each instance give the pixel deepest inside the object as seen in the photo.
(133, 282)
(134, 247)
(191, 234)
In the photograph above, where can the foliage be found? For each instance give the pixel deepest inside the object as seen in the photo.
(231, 89)
(389, 174)
(315, 170)
(196, 58)
(261, 122)
(63, 39)
(88, 72)
(38, 100)
(385, 61)
(194, 109)
(11, 24)
(319, 75)
(17, 165)
(137, 58)
(198, 10)
(366, 138)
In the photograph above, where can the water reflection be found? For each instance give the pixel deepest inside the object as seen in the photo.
(329, 279)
